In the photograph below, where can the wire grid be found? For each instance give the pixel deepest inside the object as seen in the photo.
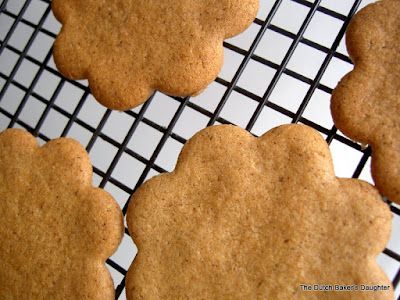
(259, 104)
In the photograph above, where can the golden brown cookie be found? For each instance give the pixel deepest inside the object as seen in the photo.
(56, 229)
(253, 218)
(366, 103)
(127, 49)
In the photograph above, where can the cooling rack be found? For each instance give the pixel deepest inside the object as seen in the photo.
(281, 70)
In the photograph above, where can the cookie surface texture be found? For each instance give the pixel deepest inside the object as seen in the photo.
(253, 218)
(366, 103)
(56, 230)
(127, 49)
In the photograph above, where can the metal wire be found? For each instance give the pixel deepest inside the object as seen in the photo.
(168, 131)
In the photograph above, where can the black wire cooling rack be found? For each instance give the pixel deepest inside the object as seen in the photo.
(36, 52)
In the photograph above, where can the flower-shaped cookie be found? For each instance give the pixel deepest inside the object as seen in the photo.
(253, 218)
(56, 230)
(366, 103)
(127, 49)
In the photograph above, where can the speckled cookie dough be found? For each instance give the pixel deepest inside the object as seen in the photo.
(366, 103)
(254, 218)
(56, 229)
(127, 49)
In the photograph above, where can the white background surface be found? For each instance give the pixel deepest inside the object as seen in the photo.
(288, 94)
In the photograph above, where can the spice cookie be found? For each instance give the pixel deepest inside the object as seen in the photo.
(254, 218)
(366, 103)
(56, 229)
(127, 49)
